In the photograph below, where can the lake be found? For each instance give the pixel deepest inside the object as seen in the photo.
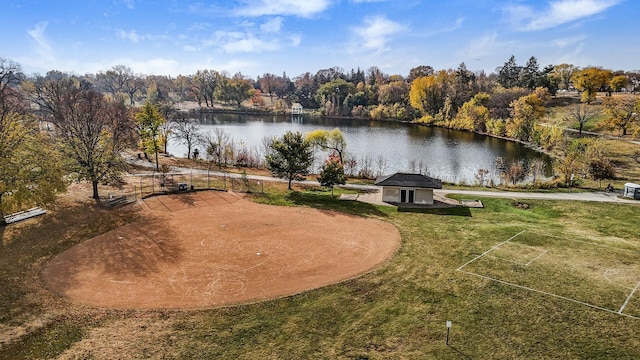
(450, 155)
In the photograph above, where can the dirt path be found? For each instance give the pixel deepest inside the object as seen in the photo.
(210, 249)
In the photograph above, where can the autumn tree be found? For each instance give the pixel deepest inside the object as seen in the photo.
(331, 95)
(273, 85)
(149, 122)
(420, 71)
(234, 90)
(120, 79)
(581, 113)
(601, 169)
(428, 94)
(393, 93)
(329, 140)
(332, 173)
(526, 111)
(618, 82)
(90, 130)
(473, 115)
(623, 111)
(515, 172)
(305, 88)
(563, 73)
(30, 165)
(291, 157)
(589, 81)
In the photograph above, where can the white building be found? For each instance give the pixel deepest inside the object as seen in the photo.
(400, 188)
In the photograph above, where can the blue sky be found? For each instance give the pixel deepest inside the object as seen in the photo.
(171, 37)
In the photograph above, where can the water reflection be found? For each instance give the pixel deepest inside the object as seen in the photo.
(447, 154)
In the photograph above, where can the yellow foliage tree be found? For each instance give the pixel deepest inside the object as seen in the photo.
(525, 112)
(623, 111)
(473, 115)
(329, 140)
(589, 81)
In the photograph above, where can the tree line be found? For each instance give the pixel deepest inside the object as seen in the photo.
(58, 124)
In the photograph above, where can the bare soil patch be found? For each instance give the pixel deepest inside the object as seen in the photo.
(210, 249)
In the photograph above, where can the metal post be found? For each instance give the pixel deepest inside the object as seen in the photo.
(448, 328)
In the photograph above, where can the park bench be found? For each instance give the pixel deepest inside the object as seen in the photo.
(116, 201)
(23, 215)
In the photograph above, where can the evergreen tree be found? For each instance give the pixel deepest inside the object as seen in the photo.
(291, 157)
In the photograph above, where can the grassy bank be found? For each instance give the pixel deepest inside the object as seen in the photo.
(397, 311)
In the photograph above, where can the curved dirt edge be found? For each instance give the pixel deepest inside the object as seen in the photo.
(172, 249)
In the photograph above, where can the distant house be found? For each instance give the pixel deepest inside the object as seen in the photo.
(296, 109)
(400, 188)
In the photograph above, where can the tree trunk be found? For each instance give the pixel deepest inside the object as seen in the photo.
(580, 132)
(290, 184)
(94, 183)
(157, 165)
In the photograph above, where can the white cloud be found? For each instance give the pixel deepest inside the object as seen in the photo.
(482, 46)
(133, 36)
(567, 41)
(250, 45)
(446, 29)
(130, 35)
(42, 46)
(129, 3)
(558, 12)
(375, 31)
(296, 39)
(306, 8)
(273, 25)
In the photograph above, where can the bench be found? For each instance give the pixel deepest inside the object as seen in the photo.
(24, 215)
(115, 201)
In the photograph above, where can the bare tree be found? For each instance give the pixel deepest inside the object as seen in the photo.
(120, 79)
(381, 162)
(536, 169)
(187, 131)
(581, 113)
(91, 130)
(480, 176)
(217, 143)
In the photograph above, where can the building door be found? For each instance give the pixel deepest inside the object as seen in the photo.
(407, 196)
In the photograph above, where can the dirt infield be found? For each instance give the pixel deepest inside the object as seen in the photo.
(209, 249)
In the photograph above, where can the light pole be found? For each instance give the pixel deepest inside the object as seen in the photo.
(448, 328)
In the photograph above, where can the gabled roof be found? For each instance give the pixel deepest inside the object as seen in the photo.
(409, 180)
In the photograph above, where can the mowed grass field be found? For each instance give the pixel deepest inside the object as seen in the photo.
(585, 252)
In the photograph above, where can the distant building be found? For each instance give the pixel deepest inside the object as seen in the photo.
(297, 109)
(400, 188)
(632, 190)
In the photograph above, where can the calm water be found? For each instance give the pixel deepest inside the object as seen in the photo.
(449, 155)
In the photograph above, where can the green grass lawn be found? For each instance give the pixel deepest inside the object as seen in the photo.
(396, 311)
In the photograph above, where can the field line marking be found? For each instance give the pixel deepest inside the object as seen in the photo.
(628, 298)
(537, 257)
(550, 294)
(490, 250)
